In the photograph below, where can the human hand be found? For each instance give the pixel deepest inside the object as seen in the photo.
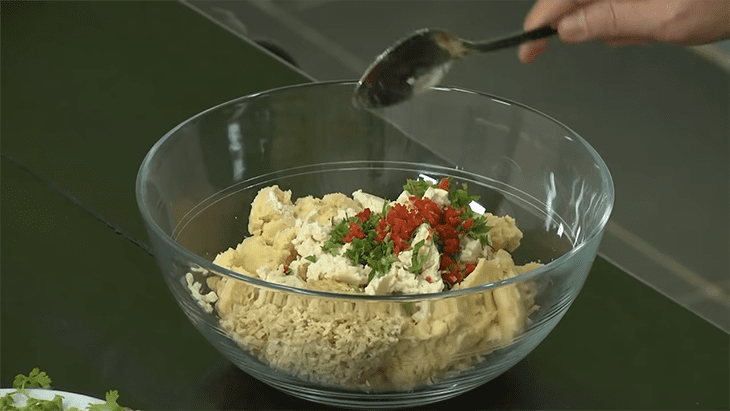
(625, 22)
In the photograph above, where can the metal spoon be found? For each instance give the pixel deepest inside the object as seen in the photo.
(421, 60)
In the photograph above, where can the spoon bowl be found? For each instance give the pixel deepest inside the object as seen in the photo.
(419, 61)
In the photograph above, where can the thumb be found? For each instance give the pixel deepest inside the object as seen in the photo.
(609, 20)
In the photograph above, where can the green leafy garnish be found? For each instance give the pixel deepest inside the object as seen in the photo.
(417, 261)
(408, 307)
(40, 379)
(110, 404)
(479, 230)
(461, 198)
(335, 241)
(367, 251)
(36, 378)
(312, 258)
(416, 187)
(381, 259)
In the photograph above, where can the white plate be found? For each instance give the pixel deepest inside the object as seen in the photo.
(70, 399)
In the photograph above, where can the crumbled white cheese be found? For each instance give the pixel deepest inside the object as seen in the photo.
(278, 276)
(370, 201)
(337, 267)
(471, 250)
(403, 198)
(438, 196)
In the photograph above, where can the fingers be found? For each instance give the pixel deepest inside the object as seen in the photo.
(617, 22)
(549, 12)
(544, 12)
(529, 52)
(624, 22)
(610, 20)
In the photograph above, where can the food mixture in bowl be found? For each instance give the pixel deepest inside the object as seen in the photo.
(429, 240)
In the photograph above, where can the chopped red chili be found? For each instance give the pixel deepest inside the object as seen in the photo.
(468, 224)
(452, 277)
(364, 215)
(355, 232)
(451, 216)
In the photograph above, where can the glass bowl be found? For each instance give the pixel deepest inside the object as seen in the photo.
(196, 186)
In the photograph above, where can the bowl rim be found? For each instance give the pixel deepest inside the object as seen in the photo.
(203, 263)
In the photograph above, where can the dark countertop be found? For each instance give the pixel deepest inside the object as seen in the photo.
(87, 89)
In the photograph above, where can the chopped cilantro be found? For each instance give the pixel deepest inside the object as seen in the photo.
(312, 258)
(416, 187)
(417, 261)
(359, 250)
(378, 255)
(335, 241)
(381, 259)
(408, 307)
(461, 198)
(479, 229)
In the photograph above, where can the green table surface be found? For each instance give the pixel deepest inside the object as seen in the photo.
(87, 88)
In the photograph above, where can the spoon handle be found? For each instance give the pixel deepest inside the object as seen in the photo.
(513, 40)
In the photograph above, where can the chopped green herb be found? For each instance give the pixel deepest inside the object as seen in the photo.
(416, 187)
(417, 261)
(461, 198)
(335, 241)
(359, 250)
(479, 229)
(312, 258)
(408, 307)
(380, 259)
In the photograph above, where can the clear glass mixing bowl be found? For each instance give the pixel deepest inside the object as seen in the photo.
(197, 183)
